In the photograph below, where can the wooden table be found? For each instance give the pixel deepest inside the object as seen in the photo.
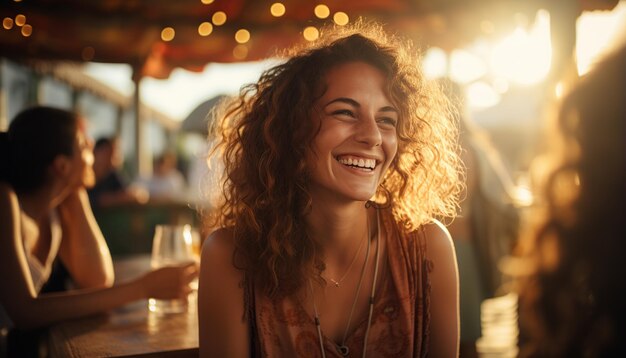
(128, 331)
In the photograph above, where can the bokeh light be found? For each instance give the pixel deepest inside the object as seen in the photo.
(311, 33)
(277, 9)
(205, 29)
(242, 36)
(341, 18)
(481, 95)
(20, 20)
(219, 18)
(167, 34)
(322, 11)
(27, 30)
(7, 23)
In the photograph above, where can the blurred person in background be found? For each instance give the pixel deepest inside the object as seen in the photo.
(573, 292)
(486, 228)
(166, 181)
(111, 187)
(45, 166)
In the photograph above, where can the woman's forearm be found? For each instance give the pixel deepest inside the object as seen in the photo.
(83, 244)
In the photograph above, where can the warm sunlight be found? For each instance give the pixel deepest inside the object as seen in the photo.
(524, 56)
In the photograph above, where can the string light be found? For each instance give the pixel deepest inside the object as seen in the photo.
(341, 18)
(20, 20)
(167, 34)
(27, 30)
(277, 9)
(205, 29)
(219, 18)
(7, 23)
(322, 11)
(311, 33)
(242, 36)
(207, 2)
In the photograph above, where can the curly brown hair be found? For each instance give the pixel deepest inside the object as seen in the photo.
(572, 302)
(265, 134)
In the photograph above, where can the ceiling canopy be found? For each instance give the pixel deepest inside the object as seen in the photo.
(132, 31)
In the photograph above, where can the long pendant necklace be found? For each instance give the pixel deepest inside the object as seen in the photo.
(342, 348)
(356, 254)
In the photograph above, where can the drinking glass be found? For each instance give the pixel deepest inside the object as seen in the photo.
(172, 245)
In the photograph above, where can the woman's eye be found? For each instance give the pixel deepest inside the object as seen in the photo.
(343, 112)
(388, 121)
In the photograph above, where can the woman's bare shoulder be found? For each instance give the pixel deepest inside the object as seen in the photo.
(219, 242)
(438, 241)
(218, 250)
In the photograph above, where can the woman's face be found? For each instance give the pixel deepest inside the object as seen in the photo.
(81, 173)
(357, 140)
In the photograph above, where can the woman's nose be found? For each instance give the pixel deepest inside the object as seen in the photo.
(368, 132)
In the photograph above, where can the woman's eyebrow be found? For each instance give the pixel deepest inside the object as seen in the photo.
(388, 109)
(345, 100)
(356, 104)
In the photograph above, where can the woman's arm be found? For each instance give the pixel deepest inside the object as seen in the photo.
(83, 245)
(223, 332)
(444, 296)
(28, 310)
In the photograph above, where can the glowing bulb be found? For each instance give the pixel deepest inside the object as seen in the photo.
(27, 30)
(322, 11)
(311, 33)
(20, 20)
(7, 23)
(167, 34)
(205, 29)
(242, 36)
(219, 18)
(341, 18)
(277, 9)
(207, 2)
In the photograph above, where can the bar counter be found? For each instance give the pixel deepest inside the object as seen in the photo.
(128, 331)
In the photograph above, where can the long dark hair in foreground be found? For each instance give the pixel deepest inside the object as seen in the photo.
(573, 302)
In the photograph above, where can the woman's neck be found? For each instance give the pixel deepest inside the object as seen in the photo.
(338, 227)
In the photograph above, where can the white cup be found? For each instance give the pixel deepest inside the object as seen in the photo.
(172, 245)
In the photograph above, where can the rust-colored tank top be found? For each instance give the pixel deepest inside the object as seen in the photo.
(400, 320)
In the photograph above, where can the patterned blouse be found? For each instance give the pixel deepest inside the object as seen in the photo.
(400, 321)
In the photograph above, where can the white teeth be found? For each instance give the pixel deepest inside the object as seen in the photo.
(361, 163)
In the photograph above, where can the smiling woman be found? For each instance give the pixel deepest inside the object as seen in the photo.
(336, 163)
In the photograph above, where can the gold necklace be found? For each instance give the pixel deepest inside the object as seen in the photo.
(356, 254)
(342, 348)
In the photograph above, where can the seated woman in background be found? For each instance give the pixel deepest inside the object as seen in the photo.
(44, 213)
(336, 163)
(573, 303)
